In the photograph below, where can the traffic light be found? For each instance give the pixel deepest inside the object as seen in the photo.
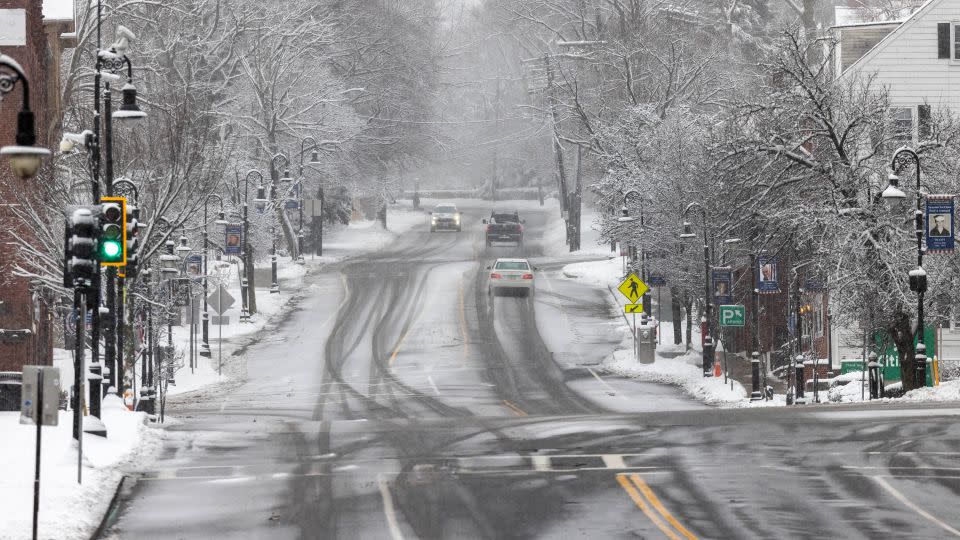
(112, 241)
(132, 228)
(80, 246)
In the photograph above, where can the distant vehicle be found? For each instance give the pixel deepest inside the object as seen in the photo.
(504, 227)
(446, 217)
(511, 274)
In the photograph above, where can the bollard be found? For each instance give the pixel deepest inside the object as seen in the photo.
(800, 400)
(96, 391)
(755, 394)
(873, 369)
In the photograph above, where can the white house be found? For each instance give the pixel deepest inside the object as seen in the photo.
(917, 59)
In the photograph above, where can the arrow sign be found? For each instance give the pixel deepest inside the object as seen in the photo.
(633, 288)
(732, 315)
(220, 300)
(633, 308)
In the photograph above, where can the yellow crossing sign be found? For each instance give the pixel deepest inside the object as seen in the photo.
(633, 288)
(633, 308)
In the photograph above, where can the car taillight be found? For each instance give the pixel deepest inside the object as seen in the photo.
(527, 276)
(489, 228)
(495, 276)
(520, 227)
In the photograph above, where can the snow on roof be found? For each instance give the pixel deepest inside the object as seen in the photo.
(852, 16)
(58, 9)
(903, 26)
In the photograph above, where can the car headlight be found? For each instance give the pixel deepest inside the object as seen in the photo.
(433, 220)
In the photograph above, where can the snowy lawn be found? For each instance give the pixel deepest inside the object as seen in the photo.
(67, 509)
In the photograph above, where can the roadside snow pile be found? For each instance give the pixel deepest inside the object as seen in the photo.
(67, 509)
(599, 273)
(683, 371)
(555, 234)
(946, 391)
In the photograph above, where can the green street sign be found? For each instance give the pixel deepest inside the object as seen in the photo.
(732, 315)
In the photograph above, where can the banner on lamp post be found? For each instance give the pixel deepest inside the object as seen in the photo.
(940, 219)
(767, 275)
(233, 239)
(722, 286)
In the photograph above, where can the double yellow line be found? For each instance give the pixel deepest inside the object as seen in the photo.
(647, 501)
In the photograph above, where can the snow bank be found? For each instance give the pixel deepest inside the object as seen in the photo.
(598, 273)
(67, 509)
(555, 236)
(684, 371)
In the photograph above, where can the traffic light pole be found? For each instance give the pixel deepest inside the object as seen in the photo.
(109, 319)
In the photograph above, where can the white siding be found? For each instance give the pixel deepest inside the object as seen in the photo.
(906, 61)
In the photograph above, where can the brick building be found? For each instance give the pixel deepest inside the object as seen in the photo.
(24, 321)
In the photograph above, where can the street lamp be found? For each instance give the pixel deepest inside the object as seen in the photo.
(894, 197)
(245, 254)
(627, 218)
(314, 160)
(25, 157)
(708, 306)
(221, 220)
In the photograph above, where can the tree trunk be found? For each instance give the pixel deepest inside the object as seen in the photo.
(902, 332)
(688, 307)
(677, 310)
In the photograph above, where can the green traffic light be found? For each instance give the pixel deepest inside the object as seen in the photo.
(111, 251)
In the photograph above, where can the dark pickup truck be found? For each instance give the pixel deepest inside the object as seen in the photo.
(502, 227)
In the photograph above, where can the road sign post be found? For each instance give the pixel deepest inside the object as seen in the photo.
(39, 405)
(633, 288)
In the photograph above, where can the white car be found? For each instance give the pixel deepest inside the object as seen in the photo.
(511, 274)
(445, 216)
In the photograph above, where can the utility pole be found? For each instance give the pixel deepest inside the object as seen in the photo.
(557, 148)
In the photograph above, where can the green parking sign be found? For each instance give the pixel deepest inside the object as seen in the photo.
(732, 315)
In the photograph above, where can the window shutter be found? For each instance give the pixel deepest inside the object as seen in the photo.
(924, 122)
(943, 40)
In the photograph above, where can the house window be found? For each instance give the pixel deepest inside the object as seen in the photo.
(956, 41)
(924, 122)
(901, 126)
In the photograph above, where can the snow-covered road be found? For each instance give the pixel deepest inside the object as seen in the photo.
(396, 399)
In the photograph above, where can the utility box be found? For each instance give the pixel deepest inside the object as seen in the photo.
(40, 397)
(646, 343)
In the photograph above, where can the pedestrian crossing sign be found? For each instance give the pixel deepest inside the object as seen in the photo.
(633, 308)
(633, 288)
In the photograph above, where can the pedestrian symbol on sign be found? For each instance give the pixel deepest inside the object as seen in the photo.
(633, 288)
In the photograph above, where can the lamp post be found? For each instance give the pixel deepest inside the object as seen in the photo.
(123, 184)
(221, 220)
(688, 234)
(627, 218)
(169, 268)
(314, 160)
(247, 308)
(113, 63)
(25, 157)
(917, 277)
(274, 286)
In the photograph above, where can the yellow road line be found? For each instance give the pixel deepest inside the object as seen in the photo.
(638, 500)
(463, 326)
(396, 351)
(652, 497)
(516, 410)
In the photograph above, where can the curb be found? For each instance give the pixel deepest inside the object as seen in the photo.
(111, 510)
